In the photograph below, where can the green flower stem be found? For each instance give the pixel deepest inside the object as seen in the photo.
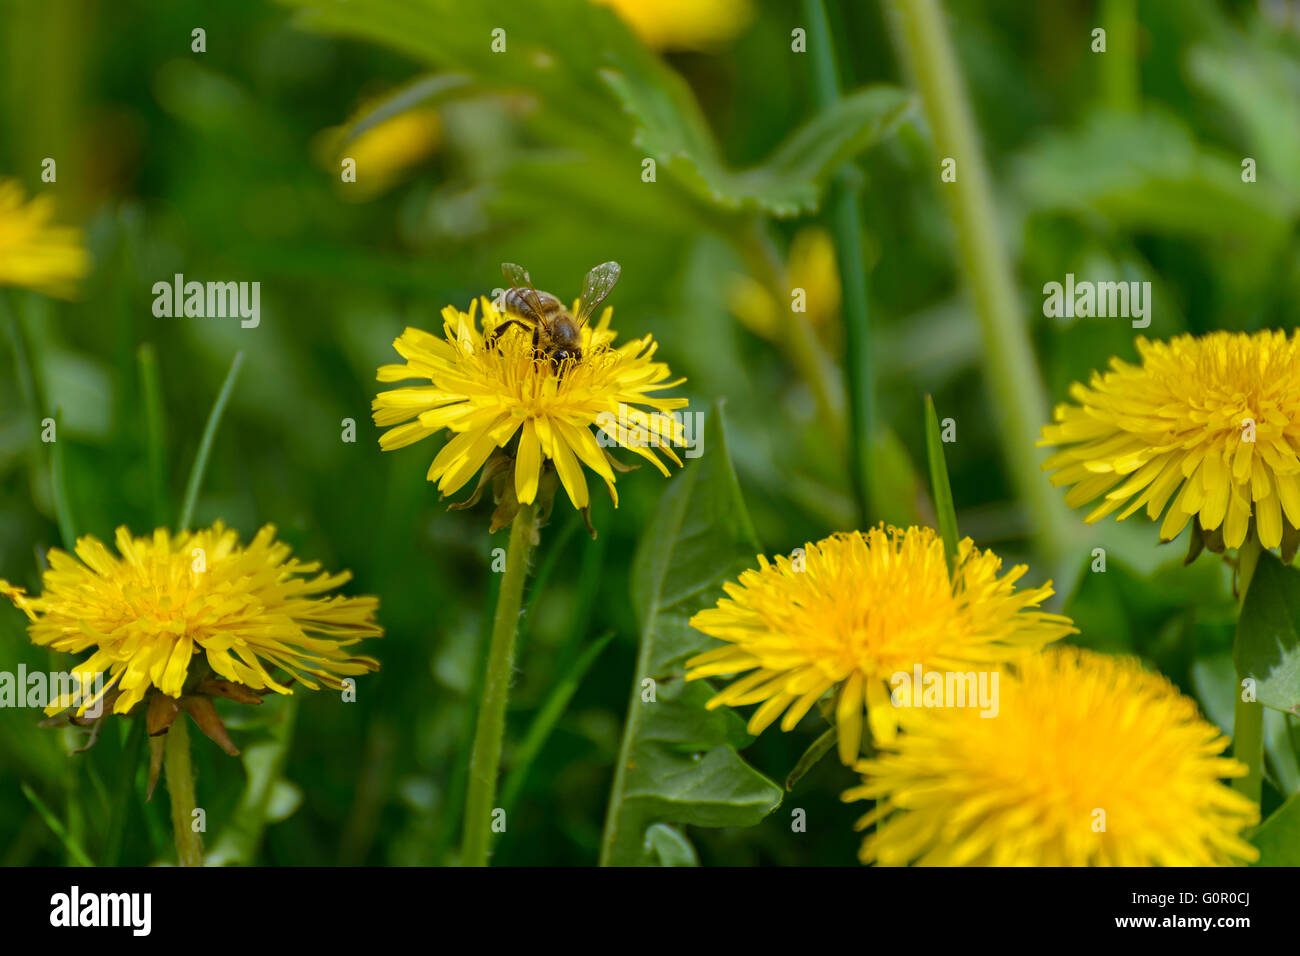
(1119, 64)
(1019, 398)
(486, 760)
(846, 224)
(180, 788)
(1248, 716)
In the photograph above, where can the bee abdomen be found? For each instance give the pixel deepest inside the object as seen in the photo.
(515, 301)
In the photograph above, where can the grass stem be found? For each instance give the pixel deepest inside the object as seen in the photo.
(205, 444)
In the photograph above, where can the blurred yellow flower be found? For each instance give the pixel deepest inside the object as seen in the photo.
(683, 24)
(812, 274)
(1215, 419)
(383, 153)
(506, 397)
(173, 611)
(1091, 761)
(34, 253)
(855, 609)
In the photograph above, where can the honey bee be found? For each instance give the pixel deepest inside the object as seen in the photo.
(557, 333)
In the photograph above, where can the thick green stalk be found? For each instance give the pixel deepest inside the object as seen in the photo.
(1248, 716)
(1019, 397)
(486, 760)
(180, 789)
(1119, 64)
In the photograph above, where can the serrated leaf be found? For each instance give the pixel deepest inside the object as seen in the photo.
(1267, 643)
(1278, 837)
(679, 763)
(789, 183)
(583, 61)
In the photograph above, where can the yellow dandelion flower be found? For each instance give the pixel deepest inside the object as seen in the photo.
(34, 253)
(506, 397)
(1090, 761)
(859, 609)
(149, 612)
(811, 268)
(683, 24)
(1212, 423)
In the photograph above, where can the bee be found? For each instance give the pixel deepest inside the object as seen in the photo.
(557, 333)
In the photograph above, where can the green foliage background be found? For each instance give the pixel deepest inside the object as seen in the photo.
(205, 164)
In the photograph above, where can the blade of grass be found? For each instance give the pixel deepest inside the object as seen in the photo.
(129, 764)
(75, 852)
(205, 444)
(547, 717)
(941, 489)
(59, 485)
(151, 390)
(811, 757)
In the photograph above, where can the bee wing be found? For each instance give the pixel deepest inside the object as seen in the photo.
(596, 287)
(519, 279)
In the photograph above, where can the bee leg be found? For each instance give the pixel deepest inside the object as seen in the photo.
(492, 337)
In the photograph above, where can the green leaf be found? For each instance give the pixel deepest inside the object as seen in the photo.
(1278, 837)
(790, 182)
(678, 763)
(943, 507)
(572, 54)
(1267, 643)
(669, 846)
